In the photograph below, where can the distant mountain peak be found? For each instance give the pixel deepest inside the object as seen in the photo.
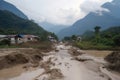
(113, 3)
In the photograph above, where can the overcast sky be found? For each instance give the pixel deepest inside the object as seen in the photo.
(64, 12)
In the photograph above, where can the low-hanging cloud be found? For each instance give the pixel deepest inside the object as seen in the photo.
(63, 12)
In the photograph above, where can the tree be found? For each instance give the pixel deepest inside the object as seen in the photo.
(117, 40)
(53, 35)
(97, 33)
(5, 42)
(67, 38)
(74, 37)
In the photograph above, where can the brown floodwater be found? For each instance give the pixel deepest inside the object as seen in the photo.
(98, 53)
(11, 72)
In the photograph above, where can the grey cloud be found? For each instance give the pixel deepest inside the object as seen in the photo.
(64, 12)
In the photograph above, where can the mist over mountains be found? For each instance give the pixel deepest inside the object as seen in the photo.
(105, 19)
(52, 28)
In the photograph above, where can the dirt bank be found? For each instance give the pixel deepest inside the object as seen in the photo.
(114, 61)
(10, 58)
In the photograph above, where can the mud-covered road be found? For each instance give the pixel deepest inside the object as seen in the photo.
(68, 63)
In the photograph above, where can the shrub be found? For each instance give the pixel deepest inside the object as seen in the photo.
(5, 42)
(117, 40)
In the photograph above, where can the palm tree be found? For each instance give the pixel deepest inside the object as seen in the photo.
(97, 33)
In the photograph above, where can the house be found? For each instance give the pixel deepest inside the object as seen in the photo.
(11, 38)
(79, 38)
(20, 38)
(25, 38)
(2, 37)
(52, 39)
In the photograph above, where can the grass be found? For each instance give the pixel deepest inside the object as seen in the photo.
(87, 45)
(6, 46)
(45, 45)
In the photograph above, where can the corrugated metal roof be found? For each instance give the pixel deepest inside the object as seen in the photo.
(19, 35)
(2, 36)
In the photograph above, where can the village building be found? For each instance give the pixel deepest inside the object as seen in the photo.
(79, 38)
(52, 39)
(2, 37)
(20, 38)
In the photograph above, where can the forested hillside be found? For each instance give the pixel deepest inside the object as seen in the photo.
(4, 5)
(106, 39)
(12, 24)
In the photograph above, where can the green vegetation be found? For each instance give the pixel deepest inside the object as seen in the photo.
(5, 42)
(41, 45)
(105, 40)
(97, 34)
(71, 38)
(12, 24)
(91, 45)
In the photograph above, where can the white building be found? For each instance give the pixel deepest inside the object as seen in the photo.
(17, 39)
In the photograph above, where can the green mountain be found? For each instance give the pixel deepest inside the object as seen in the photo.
(12, 24)
(4, 5)
(112, 31)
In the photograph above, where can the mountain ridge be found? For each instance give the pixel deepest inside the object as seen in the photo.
(106, 20)
(16, 25)
(10, 7)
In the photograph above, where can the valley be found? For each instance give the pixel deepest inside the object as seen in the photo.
(59, 40)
